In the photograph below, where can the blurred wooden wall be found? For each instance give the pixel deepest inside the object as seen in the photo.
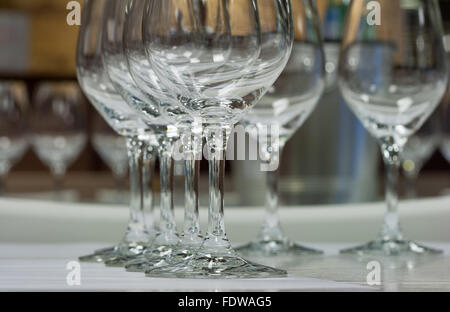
(52, 42)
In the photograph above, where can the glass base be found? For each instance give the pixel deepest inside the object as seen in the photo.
(390, 247)
(112, 256)
(152, 258)
(98, 255)
(276, 247)
(175, 262)
(119, 260)
(217, 264)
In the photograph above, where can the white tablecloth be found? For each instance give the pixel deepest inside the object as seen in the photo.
(43, 268)
(38, 239)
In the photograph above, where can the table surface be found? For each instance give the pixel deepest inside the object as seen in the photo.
(38, 267)
(39, 238)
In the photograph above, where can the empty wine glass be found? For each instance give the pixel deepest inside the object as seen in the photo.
(13, 129)
(393, 74)
(112, 148)
(418, 150)
(219, 58)
(97, 86)
(58, 127)
(164, 133)
(125, 34)
(286, 107)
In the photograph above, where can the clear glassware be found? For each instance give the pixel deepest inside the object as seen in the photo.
(418, 150)
(163, 132)
(13, 126)
(58, 124)
(97, 86)
(112, 149)
(219, 59)
(131, 71)
(286, 106)
(393, 74)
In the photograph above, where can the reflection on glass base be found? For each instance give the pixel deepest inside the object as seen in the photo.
(112, 254)
(391, 247)
(221, 264)
(119, 260)
(276, 247)
(152, 258)
(174, 263)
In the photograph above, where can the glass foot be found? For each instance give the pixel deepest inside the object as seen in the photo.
(112, 256)
(176, 262)
(119, 260)
(99, 255)
(220, 264)
(152, 258)
(388, 247)
(276, 247)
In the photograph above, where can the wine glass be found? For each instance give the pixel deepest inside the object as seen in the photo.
(286, 107)
(13, 128)
(58, 127)
(130, 71)
(164, 133)
(219, 58)
(112, 149)
(418, 150)
(393, 74)
(125, 121)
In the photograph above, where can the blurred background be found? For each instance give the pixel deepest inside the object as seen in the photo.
(53, 145)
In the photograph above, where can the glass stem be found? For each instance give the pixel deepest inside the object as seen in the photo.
(148, 167)
(2, 184)
(391, 155)
(58, 172)
(216, 237)
(191, 233)
(136, 229)
(411, 184)
(271, 227)
(168, 232)
(4, 169)
(119, 176)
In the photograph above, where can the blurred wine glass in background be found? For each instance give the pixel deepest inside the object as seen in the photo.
(417, 151)
(286, 106)
(393, 74)
(58, 124)
(112, 149)
(13, 130)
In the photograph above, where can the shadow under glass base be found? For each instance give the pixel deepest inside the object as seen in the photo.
(217, 264)
(391, 247)
(274, 247)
